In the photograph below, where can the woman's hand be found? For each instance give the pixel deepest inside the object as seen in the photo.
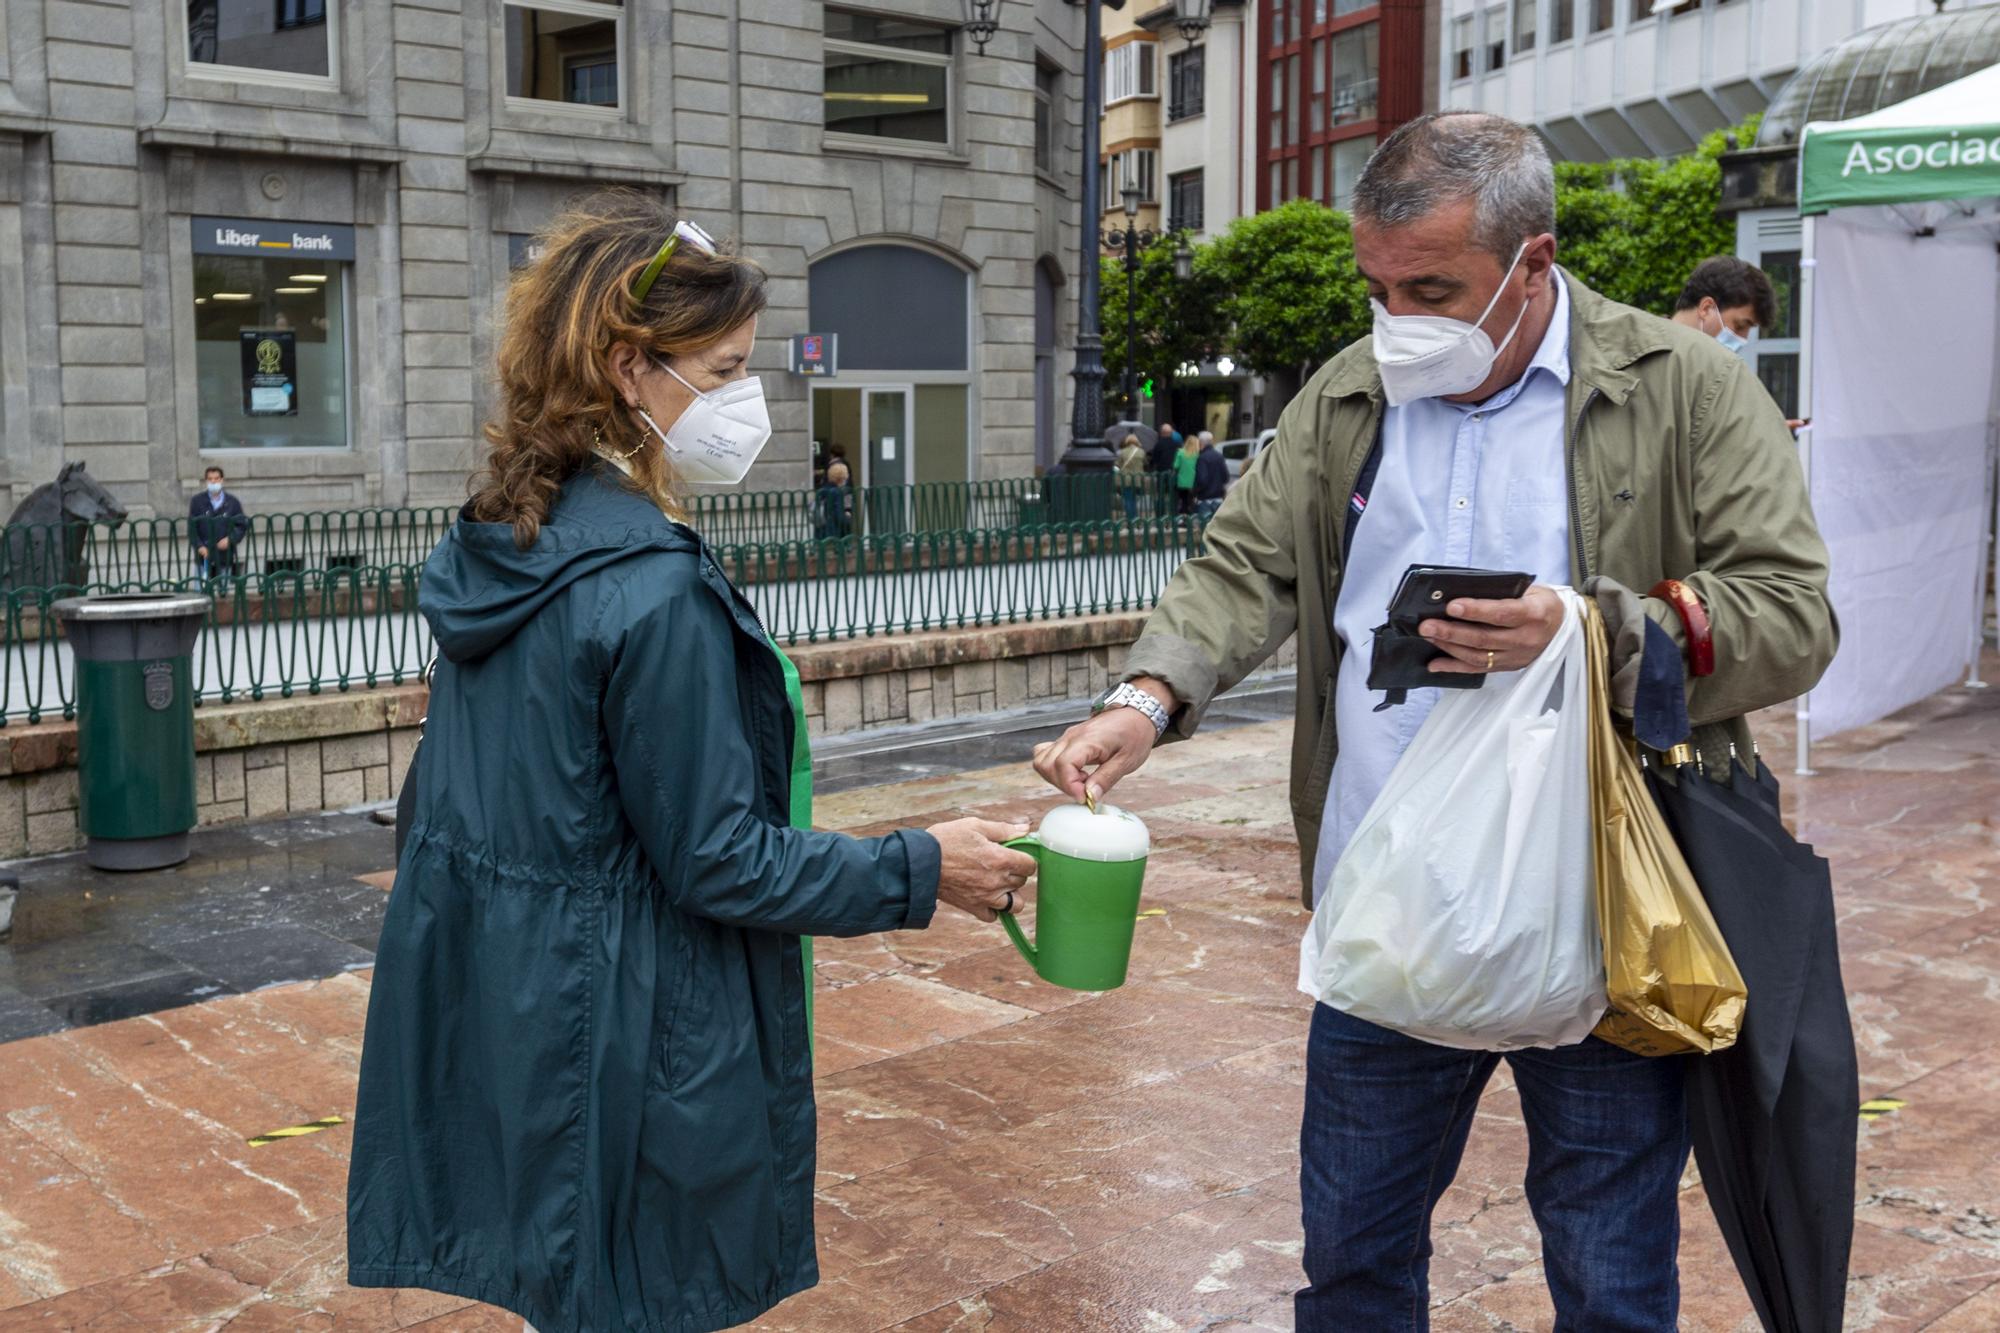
(975, 873)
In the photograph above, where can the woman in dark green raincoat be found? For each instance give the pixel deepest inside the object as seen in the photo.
(586, 1083)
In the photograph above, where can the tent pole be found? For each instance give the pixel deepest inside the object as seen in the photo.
(1808, 267)
(1987, 537)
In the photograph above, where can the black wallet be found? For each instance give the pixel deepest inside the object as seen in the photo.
(1401, 659)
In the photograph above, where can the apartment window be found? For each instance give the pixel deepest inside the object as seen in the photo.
(1048, 83)
(1122, 169)
(1129, 72)
(1461, 47)
(564, 51)
(1643, 9)
(1524, 25)
(273, 37)
(1349, 157)
(1342, 8)
(1496, 37)
(1186, 84)
(1316, 104)
(1356, 66)
(270, 333)
(887, 78)
(1184, 201)
(1562, 21)
(1603, 13)
(1278, 104)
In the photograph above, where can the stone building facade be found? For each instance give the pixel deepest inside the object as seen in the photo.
(277, 234)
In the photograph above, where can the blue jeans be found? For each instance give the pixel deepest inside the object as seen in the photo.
(1385, 1126)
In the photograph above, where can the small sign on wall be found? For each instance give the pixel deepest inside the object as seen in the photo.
(270, 373)
(815, 354)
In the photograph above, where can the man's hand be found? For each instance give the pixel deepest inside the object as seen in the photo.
(201, 551)
(975, 873)
(1512, 632)
(222, 544)
(1092, 755)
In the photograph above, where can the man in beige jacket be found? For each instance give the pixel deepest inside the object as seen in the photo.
(1509, 418)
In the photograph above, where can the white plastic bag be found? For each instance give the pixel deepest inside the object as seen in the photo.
(1464, 912)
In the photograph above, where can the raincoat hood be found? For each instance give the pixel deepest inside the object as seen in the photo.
(479, 587)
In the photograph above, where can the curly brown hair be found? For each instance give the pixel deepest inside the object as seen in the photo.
(566, 311)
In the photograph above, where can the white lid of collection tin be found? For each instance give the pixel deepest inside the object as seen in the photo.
(1112, 834)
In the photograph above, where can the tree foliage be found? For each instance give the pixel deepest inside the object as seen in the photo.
(1176, 321)
(1278, 290)
(1634, 228)
(1290, 290)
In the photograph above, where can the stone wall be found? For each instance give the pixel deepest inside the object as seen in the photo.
(862, 684)
(338, 751)
(252, 761)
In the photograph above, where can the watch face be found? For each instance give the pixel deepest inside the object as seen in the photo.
(1103, 701)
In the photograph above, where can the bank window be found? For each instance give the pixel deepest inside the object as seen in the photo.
(1129, 72)
(1048, 84)
(1562, 21)
(1187, 91)
(283, 41)
(1496, 37)
(1603, 13)
(1356, 64)
(1461, 47)
(270, 352)
(887, 78)
(564, 51)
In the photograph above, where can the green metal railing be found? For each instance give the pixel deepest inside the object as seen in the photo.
(159, 550)
(319, 621)
(267, 636)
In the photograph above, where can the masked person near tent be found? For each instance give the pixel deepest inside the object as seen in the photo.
(1524, 422)
(1728, 298)
(585, 1087)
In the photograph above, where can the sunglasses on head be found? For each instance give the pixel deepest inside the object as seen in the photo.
(683, 231)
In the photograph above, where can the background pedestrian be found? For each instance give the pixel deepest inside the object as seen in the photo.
(217, 528)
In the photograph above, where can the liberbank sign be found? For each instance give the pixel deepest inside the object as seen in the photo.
(272, 240)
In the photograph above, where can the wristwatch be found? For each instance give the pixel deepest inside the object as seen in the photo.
(1127, 695)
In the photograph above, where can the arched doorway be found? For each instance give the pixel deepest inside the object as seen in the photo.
(900, 409)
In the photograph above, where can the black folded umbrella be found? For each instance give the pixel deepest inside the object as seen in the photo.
(1774, 1117)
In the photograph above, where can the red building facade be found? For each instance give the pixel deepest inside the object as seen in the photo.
(1333, 78)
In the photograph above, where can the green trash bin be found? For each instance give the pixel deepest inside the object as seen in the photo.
(135, 723)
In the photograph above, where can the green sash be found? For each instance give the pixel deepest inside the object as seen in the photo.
(802, 797)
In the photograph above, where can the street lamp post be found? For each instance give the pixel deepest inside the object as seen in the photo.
(1087, 451)
(1133, 241)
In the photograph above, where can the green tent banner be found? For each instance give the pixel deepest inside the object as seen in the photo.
(1897, 166)
(1943, 144)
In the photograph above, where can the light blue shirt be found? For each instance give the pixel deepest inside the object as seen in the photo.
(1476, 484)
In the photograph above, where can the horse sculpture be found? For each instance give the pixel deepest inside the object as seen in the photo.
(47, 540)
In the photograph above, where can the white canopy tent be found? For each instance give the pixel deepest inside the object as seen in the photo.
(1900, 378)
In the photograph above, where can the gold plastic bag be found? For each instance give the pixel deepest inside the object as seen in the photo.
(1672, 984)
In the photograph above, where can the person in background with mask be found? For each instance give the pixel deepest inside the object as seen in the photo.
(1726, 298)
(1517, 420)
(586, 1079)
(217, 528)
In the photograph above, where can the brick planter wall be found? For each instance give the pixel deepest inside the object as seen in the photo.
(336, 751)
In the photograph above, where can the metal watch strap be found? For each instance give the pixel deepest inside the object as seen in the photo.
(1128, 695)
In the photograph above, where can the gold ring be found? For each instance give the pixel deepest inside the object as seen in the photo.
(1489, 659)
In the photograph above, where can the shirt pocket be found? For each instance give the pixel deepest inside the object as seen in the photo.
(1536, 527)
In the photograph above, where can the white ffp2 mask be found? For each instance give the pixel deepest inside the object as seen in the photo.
(1433, 356)
(720, 434)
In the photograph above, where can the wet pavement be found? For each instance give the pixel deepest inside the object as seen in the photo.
(995, 1154)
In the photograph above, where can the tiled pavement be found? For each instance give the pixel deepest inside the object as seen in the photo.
(996, 1154)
